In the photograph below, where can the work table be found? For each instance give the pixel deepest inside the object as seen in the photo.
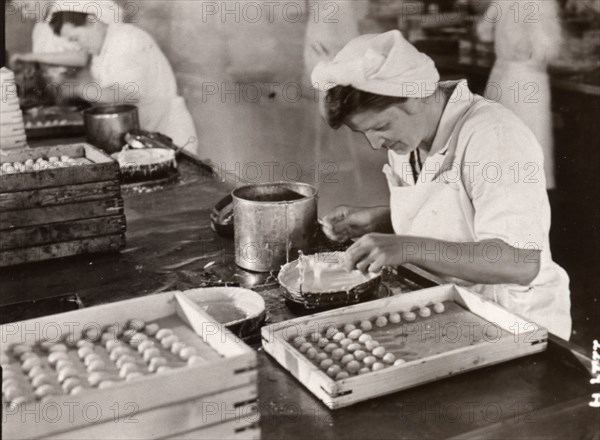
(170, 246)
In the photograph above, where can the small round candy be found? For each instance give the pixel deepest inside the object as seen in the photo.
(20, 400)
(304, 347)
(338, 336)
(377, 366)
(330, 347)
(58, 347)
(353, 366)
(320, 356)
(355, 334)
(378, 352)
(330, 331)
(353, 347)
(342, 375)
(67, 372)
(41, 379)
(91, 358)
(19, 349)
(409, 316)
(116, 330)
(38, 369)
(163, 369)
(187, 352)
(314, 337)
(424, 312)
(326, 363)
(127, 369)
(333, 370)
(77, 390)
(155, 363)
(311, 353)
(323, 342)
(371, 345)
(70, 383)
(364, 370)
(395, 318)
(439, 308)
(92, 334)
(106, 337)
(195, 360)
(298, 341)
(32, 362)
(337, 353)
(97, 376)
(84, 351)
(11, 392)
(150, 353)
(28, 355)
(112, 344)
(151, 329)
(136, 324)
(381, 321)
(364, 338)
(349, 327)
(399, 361)
(64, 363)
(144, 345)
(117, 352)
(163, 333)
(133, 376)
(346, 358)
(125, 359)
(366, 326)
(359, 355)
(137, 339)
(106, 384)
(96, 366)
(83, 343)
(345, 342)
(369, 360)
(168, 341)
(45, 390)
(389, 358)
(45, 345)
(177, 347)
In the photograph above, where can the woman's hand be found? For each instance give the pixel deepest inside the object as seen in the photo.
(345, 222)
(372, 252)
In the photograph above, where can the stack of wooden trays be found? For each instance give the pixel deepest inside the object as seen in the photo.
(59, 201)
(12, 128)
(170, 372)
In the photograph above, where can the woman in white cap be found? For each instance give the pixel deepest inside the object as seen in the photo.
(468, 198)
(127, 66)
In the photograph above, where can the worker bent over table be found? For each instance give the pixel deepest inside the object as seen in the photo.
(468, 195)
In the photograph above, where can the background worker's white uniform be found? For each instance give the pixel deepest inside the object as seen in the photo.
(131, 58)
(484, 179)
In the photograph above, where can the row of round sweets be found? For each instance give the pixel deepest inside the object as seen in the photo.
(64, 376)
(38, 165)
(47, 123)
(350, 350)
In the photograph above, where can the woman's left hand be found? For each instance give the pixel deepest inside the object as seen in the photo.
(372, 252)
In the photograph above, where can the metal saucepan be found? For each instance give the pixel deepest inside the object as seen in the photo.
(106, 126)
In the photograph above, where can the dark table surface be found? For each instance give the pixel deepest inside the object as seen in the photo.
(169, 243)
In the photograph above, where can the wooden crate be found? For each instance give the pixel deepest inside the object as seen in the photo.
(218, 396)
(427, 360)
(60, 212)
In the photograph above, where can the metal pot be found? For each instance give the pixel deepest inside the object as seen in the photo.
(106, 126)
(272, 221)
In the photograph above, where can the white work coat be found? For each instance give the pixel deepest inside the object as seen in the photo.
(484, 179)
(131, 60)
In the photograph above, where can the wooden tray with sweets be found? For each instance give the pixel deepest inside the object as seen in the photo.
(98, 373)
(359, 352)
(57, 202)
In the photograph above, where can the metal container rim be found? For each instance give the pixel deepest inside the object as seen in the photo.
(312, 188)
(109, 111)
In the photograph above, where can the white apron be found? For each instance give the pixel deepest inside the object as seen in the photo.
(441, 208)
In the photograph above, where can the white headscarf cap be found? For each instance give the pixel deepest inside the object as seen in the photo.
(106, 11)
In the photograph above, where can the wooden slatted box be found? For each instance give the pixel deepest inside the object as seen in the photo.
(214, 399)
(428, 345)
(60, 212)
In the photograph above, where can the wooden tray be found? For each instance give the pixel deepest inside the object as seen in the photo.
(223, 390)
(430, 352)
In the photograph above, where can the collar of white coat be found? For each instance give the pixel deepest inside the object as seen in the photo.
(459, 102)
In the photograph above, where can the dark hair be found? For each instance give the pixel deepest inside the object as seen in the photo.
(61, 17)
(343, 101)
